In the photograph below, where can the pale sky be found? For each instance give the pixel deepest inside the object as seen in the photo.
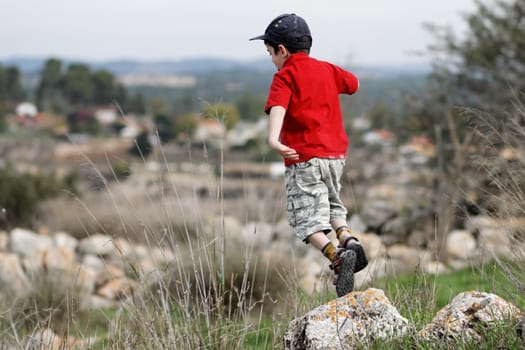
(344, 31)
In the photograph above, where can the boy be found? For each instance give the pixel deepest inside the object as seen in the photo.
(306, 129)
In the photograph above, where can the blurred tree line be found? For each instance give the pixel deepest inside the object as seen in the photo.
(62, 90)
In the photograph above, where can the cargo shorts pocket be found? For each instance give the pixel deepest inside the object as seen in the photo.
(300, 211)
(290, 210)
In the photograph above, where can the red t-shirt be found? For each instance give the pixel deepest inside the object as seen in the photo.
(309, 91)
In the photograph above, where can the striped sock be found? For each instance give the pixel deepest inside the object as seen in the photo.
(340, 233)
(329, 251)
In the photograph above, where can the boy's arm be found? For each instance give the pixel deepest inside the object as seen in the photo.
(275, 123)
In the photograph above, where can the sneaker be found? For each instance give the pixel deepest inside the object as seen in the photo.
(343, 265)
(353, 244)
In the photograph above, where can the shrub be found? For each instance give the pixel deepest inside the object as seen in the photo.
(20, 194)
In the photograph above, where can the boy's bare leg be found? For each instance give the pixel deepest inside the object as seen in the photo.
(318, 240)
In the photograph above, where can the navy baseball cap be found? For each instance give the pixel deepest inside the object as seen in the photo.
(289, 30)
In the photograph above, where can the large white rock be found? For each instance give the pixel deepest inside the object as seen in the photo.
(356, 318)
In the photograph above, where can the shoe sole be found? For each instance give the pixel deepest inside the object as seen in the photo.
(361, 260)
(345, 279)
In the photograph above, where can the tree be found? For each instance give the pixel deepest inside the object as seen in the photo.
(485, 69)
(249, 108)
(136, 104)
(48, 92)
(104, 87)
(142, 147)
(15, 92)
(165, 127)
(481, 71)
(380, 115)
(225, 112)
(78, 87)
(11, 91)
(186, 123)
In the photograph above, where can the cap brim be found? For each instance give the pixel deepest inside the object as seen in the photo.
(259, 37)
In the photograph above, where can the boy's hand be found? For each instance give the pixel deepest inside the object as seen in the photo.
(285, 151)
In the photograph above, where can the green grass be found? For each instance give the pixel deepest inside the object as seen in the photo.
(420, 296)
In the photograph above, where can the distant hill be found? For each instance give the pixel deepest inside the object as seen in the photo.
(205, 65)
(226, 80)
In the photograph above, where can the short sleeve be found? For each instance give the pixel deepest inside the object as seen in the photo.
(280, 93)
(347, 82)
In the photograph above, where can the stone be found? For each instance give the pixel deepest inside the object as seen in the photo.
(161, 256)
(86, 278)
(53, 258)
(373, 245)
(48, 340)
(435, 268)
(60, 258)
(147, 272)
(62, 239)
(227, 230)
(354, 319)
(44, 339)
(356, 224)
(93, 262)
(116, 289)
(257, 234)
(95, 302)
(405, 259)
(375, 213)
(418, 239)
(376, 268)
(461, 245)
(310, 284)
(4, 241)
(108, 273)
(13, 281)
(97, 244)
(26, 243)
(467, 315)
(475, 223)
(395, 231)
(124, 250)
(283, 230)
(495, 242)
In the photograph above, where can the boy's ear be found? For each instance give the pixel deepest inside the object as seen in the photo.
(282, 50)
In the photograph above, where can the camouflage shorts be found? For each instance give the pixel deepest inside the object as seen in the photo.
(313, 195)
